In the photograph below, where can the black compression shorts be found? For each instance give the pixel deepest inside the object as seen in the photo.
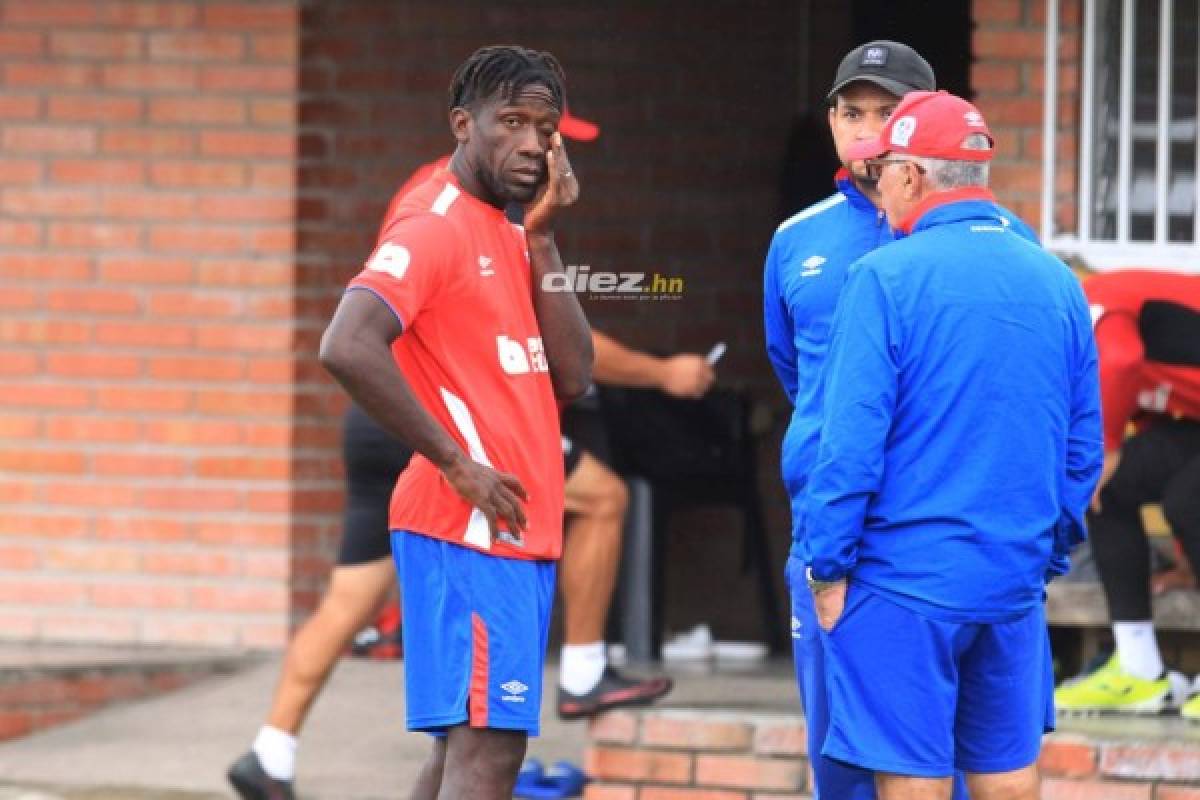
(373, 460)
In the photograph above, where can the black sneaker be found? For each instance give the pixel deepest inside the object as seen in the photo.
(252, 783)
(613, 691)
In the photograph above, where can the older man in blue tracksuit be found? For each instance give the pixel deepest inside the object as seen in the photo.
(960, 444)
(805, 270)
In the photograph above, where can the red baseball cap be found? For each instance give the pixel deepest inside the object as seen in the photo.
(931, 124)
(575, 128)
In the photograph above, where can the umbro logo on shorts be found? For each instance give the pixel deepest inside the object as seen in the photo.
(515, 689)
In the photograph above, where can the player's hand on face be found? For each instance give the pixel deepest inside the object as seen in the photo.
(687, 375)
(560, 191)
(829, 604)
(499, 495)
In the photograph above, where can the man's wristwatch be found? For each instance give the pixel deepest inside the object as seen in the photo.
(817, 586)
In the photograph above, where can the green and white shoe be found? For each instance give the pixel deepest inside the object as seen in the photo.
(1191, 709)
(1110, 690)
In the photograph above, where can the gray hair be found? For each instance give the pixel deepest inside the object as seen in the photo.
(946, 174)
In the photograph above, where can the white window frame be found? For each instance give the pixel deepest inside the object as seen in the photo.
(1121, 253)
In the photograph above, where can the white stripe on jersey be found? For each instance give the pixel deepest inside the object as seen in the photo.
(445, 199)
(813, 210)
(477, 532)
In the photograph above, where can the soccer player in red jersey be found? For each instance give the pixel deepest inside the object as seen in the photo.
(447, 339)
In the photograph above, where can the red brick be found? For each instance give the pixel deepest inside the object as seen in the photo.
(1070, 757)
(93, 365)
(694, 732)
(22, 43)
(191, 499)
(111, 171)
(19, 170)
(95, 235)
(148, 205)
(92, 494)
(216, 633)
(43, 75)
(18, 426)
(138, 596)
(95, 46)
(19, 557)
(236, 598)
(150, 77)
(611, 763)
(270, 566)
(242, 403)
(20, 234)
(142, 529)
(258, 78)
(190, 563)
(277, 240)
(15, 363)
(158, 335)
(274, 47)
(42, 461)
(1165, 792)
(49, 139)
(783, 738)
(75, 428)
(176, 368)
(745, 772)
(243, 468)
(42, 526)
(199, 174)
(243, 16)
(135, 464)
(662, 793)
(994, 76)
(595, 791)
(93, 300)
(20, 106)
(51, 12)
(1063, 789)
(1008, 45)
(146, 270)
(192, 46)
(245, 207)
(92, 559)
(190, 431)
(142, 398)
(1155, 762)
(193, 305)
(262, 370)
(198, 110)
(273, 176)
(42, 331)
(149, 13)
(247, 144)
(267, 435)
(147, 142)
(213, 239)
(14, 299)
(993, 11)
(43, 201)
(14, 724)
(89, 627)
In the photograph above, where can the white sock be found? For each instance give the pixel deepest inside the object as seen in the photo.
(276, 751)
(1137, 649)
(581, 667)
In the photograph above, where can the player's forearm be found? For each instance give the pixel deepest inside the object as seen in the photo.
(565, 332)
(619, 365)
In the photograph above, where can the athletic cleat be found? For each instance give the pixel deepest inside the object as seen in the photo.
(613, 691)
(1190, 709)
(1111, 690)
(253, 783)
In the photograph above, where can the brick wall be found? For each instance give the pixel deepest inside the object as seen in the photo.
(146, 376)
(737, 755)
(1007, 75)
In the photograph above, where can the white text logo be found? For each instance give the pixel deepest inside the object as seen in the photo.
(514, 689)
(390, 258)
(516, 359)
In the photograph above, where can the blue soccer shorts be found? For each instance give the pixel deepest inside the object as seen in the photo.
(475, 629)
(911, 695)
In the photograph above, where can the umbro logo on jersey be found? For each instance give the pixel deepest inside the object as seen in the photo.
(514, 689)
(812, 266)
(485, 266)
(797, 627)
(392, 259)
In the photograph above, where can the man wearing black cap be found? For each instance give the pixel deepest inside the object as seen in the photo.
(805, 269)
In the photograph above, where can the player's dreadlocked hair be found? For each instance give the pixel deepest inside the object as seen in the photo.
(507, 69)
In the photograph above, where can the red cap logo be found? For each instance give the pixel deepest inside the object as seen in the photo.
(931, 124)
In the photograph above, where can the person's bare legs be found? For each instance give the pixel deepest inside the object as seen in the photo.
(908, 787)
(1021, 784)
(429, 781)
(354, 596)
(480, 764)
(596, 498)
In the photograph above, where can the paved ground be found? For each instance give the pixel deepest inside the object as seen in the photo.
(176, 747)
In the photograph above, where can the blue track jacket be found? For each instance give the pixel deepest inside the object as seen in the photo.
(961, 438)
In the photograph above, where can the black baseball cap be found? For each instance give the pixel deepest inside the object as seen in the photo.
(892, 66)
